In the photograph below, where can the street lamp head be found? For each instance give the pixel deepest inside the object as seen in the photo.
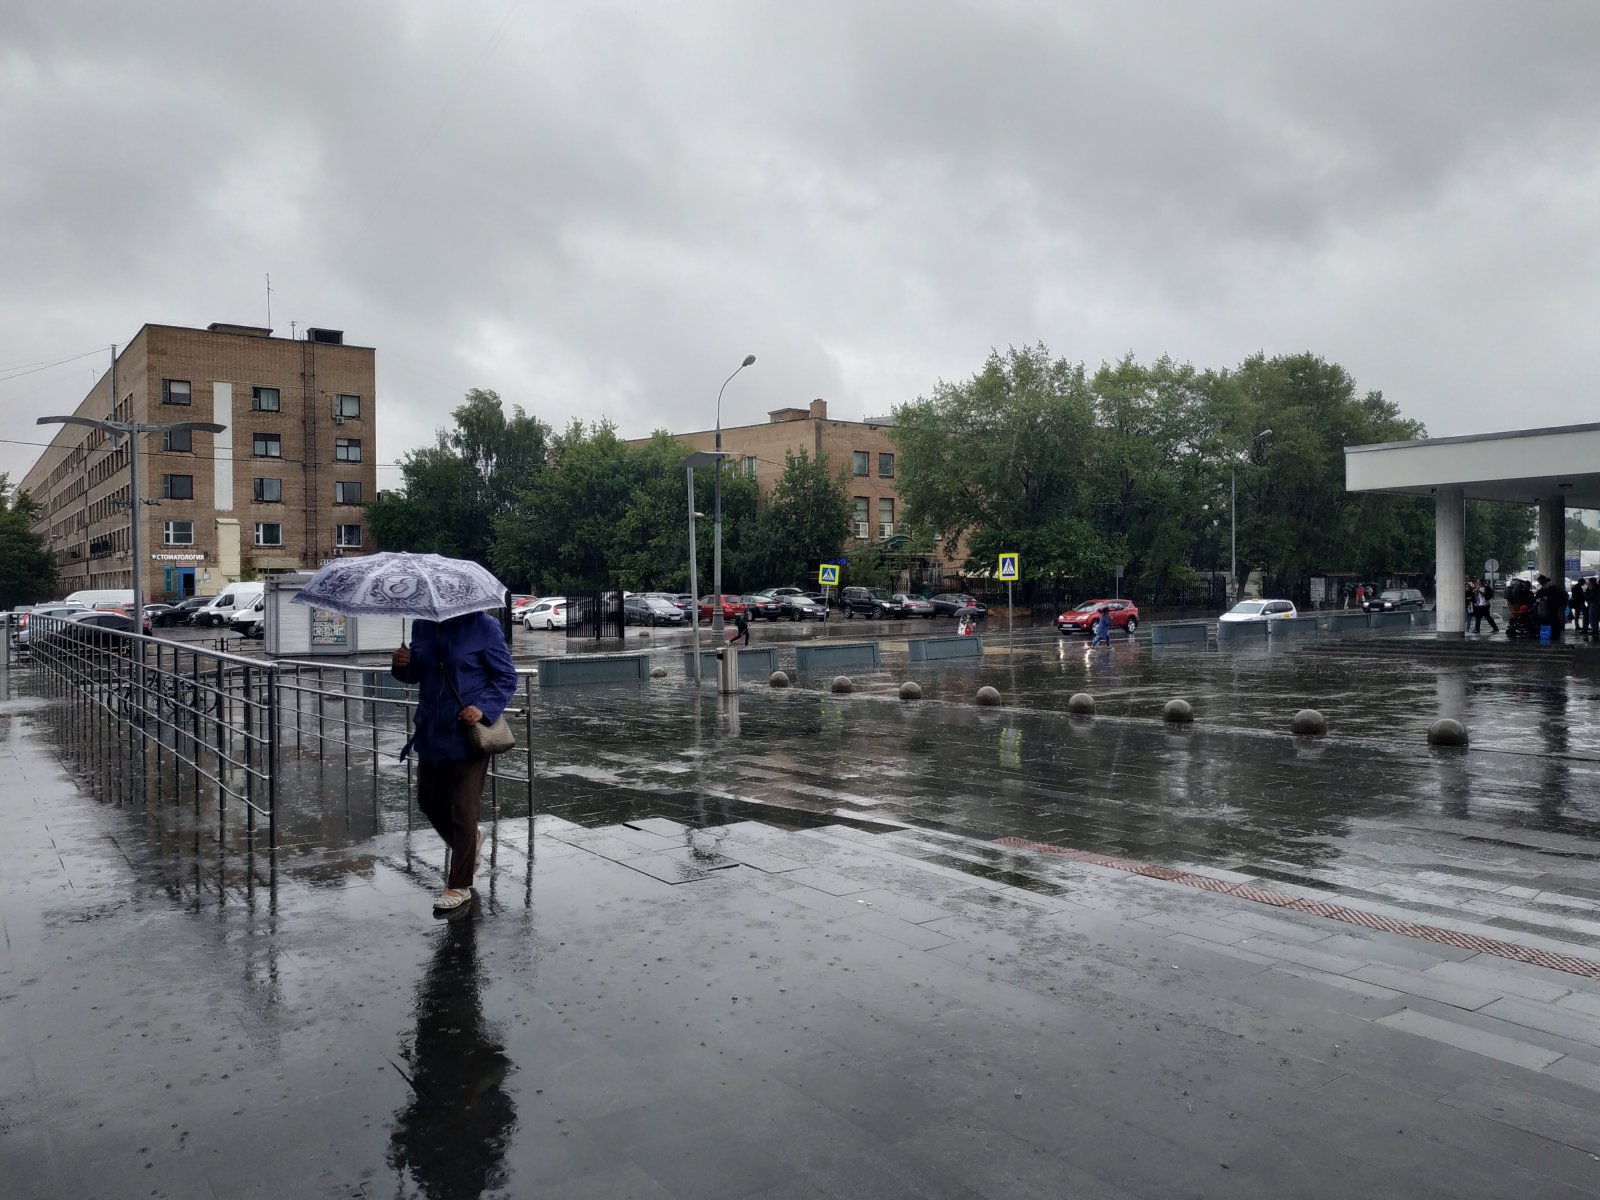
(1265, 433)
(749, 360)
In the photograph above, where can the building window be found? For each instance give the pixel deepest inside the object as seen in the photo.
(175, 391)
(269, 491)
(181, 440)
(177, 487)
(347, 537)
(885, 466)
(346, 449)
(885, 517)
(178, 533)
(346, 492)
(860, 517)
(861, 460)
(269, 533)
(267, 445)
(347, 407)
(264, 399)
(747, 464)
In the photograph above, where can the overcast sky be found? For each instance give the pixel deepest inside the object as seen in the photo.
(597, 209)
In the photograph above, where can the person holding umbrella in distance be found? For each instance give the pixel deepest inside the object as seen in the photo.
(458, 659)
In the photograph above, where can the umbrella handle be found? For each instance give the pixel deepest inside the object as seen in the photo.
(402, 631)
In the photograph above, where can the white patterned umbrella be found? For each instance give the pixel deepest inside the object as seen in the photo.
(397, 584)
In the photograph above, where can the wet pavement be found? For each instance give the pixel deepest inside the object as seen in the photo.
(772, 948)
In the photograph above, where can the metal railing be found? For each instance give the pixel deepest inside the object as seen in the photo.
(147, 715)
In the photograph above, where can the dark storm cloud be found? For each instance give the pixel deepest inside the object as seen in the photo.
(599, 209)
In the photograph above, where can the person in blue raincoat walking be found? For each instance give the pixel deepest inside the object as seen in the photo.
(464, 675)
(1102, 627)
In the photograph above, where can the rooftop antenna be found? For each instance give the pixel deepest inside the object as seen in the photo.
(292, 325)
(269, 300)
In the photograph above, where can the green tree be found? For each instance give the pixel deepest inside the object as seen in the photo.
(454, 491)
(26, 571)
(1002, 460)
(805, 521)
(1581, 535)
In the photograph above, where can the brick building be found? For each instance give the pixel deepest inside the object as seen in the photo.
(281, 489)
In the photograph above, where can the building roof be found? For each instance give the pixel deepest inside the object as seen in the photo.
(1519, 466)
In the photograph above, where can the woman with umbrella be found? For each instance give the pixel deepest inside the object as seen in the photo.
(463, 672)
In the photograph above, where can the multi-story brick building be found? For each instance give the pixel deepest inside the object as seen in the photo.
(281, 489)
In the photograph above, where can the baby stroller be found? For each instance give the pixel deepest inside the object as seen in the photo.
(1522, 615)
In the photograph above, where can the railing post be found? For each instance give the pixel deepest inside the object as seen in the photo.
(272, 761)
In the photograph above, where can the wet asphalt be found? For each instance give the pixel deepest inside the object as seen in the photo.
(769, 947)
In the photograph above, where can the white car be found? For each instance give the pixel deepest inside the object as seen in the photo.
(549, 613)
(1259, 610)
(250, 622)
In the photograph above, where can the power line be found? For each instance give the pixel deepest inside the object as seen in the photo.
(35, 368)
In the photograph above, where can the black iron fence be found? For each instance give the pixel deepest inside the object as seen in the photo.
(595, 615)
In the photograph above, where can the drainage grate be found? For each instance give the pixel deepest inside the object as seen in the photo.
(1321, 908)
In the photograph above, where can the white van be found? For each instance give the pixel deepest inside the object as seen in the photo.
(235, 597)
(103, 598)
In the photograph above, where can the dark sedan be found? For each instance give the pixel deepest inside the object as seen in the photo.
(803, 608)
(761, 605)
(948, 603)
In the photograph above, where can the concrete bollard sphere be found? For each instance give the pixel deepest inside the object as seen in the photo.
(778, 679)
(644, 633)
(1447, 731)
(1081, 703)
(988, 696)
(1178, 712)
(658, 672)
(1308, 722)
(842, 684)
(911, 690)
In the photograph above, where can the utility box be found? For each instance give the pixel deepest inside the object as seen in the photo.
(727, 670)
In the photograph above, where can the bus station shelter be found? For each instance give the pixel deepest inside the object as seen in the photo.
(1553, 468)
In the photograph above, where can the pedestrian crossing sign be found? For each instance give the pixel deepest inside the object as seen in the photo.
(1008, 568)
(828, 575)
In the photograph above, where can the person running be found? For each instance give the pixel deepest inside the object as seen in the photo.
(741, 629)
(1482, 594)
(1102, 628)
(464, 675)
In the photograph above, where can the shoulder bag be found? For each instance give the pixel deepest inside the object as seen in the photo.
(486, 737)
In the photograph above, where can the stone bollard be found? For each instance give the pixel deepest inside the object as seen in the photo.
(644, 633)
(1178, 712)
(1447, 731)
(842, 684)
(658, 672)
(1082, 704)
(778, 679)
(987, 696)
(910, 690)
(1308, 722)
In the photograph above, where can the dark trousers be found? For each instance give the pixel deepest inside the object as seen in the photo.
(1480, 614)
(449, 794)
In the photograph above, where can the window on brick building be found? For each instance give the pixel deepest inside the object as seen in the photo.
(269, 491)
(886, 466)
(346, 449)
(180, 440)
(178, 533)
(264, 399)
(175, 391)
(348, 407)
(177, 487)
(267, 445)
(861, 461)
(346, 492)
(269, 533)
(347, 537)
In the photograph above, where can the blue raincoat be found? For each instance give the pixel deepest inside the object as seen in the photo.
(474, 648)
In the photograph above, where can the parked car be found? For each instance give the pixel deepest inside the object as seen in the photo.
(762, 605)
(651, 610)
(778, 593)
(1124, 615)
(915, 606)
(946, 604)
(1395, 600)
(732, 606)
(182, 613)
(869, 602)
(153, 613)
(58, 611)
(546, 614)
(101, 628)
(234, 598)
(803, 608)
(250, 622)
(681, 601)
(1259, 610)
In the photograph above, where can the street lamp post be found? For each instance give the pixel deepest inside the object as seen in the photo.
(700, 458)
(1233, 508)
(133, 431)
(716, 504)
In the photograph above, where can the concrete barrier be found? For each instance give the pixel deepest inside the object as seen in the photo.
(1348, 624)
(1290, 627)
(833, 655)
(1423, 619)
(1387, 622)
(936, 648)
(751, 660)
(1178, 633)
(1241, 632)
(578, 669)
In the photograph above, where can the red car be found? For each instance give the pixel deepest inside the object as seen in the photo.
(732, 606)
(1124, 615)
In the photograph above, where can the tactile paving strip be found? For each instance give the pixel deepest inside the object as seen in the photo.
(1321, 908)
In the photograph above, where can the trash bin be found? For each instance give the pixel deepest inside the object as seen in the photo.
(727, 669)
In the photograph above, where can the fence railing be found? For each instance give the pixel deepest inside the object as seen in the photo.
(146, 713)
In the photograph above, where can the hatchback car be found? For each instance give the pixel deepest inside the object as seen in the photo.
(732, 606)
(1393, 600)
(1124, 615)
(762, 605)
(1259, 610)
(546, 614)
(915, 606)
(651, 610)
(947, 604)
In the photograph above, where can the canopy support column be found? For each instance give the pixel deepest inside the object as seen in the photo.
(1553, 536)
(1450, 557)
